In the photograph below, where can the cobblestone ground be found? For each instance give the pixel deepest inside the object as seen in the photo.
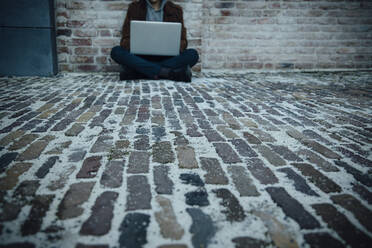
(256, 160)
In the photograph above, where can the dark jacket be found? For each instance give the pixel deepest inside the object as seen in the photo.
(137, 11)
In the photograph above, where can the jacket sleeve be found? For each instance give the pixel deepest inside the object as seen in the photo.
(125, 32)
(183, 34)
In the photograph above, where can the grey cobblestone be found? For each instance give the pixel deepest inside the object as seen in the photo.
(286, 157)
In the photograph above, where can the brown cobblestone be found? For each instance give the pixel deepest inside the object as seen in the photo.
(33, 151)
(77, 194)
(343, 227)
(268, 154)
(215, 174)
(186, 157)
(23, 142)
(169, 226)
(314, 176)
(90, 167)
(12, 175)
(317, 160)
(99, 223)
(11, 137)
(362, 213)
(242, 181)
(74, 130)
(227, 132)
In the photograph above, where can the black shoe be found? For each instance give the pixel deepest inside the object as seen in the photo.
(128, 74)
(182, 74)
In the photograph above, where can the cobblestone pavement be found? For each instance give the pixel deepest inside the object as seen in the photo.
(255, 160)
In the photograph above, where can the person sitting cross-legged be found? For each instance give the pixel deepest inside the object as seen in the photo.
(177, 68)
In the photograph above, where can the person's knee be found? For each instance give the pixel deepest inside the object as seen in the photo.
(114, 52)
(193, 53)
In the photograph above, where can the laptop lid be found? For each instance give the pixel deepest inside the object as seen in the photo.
(155, 38)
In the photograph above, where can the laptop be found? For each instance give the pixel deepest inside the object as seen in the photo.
(155, 38)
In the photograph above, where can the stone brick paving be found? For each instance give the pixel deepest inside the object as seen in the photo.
(255, 160)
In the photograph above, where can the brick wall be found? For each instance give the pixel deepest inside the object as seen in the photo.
(232, 34)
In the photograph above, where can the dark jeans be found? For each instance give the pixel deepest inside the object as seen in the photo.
(150, 66)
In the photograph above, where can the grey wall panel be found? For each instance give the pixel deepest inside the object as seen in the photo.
(26, 13)
(27, 52)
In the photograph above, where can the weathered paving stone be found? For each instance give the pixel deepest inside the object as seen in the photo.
(139, 194)
(133, 230)
(193, 179)
(361, 213)
(263, 136)
(62, 178)
(122, 144)
(230, 120)
(212, 135)
(299, 182)
(193, 131)
(86, 117)
(142, 143)
(11, 137)
(103, 144)
(245, 242)
(6, 160)
(285, 153)
(169, 226)
(295, 134)
(186, 157)
(158, 132)
(198, 197)
(11, 127)
(215, 174)
(90, 167)
(322, 239)
(99, 223)
(242, 181)
(227, 154)
(261, 172)
(164, 184)
(355, 157)
(75, 130)
(315, 159)
(173, 246)
(202, 228)
(270, 156)
(12, 175)
(58, 148)
(97, 121)
(33, 151)
(292, 208)
(313, 135)
(233, 210)
(251, 138)
(322, 182)
(79, 245)
(321, 149)
(162, 152)
(40, 205)
(343, 227)
(23, 142)
(362, 192)
(358, 175)
(248, 123)
(243, 148)
(180, 140)
(138, 162)
(112, 176)
(45, 168)
(227, 132)
(22, 195)
(77, 194)
(18, 245)
(76, 156)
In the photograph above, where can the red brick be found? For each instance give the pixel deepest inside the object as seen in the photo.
(85, 33)
(86, 51)
(81, 59)
(101, 60)
(79, 42)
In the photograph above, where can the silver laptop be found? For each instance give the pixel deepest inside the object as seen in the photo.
(155, 38)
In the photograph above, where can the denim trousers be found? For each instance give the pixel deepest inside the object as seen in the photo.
(150, 66)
